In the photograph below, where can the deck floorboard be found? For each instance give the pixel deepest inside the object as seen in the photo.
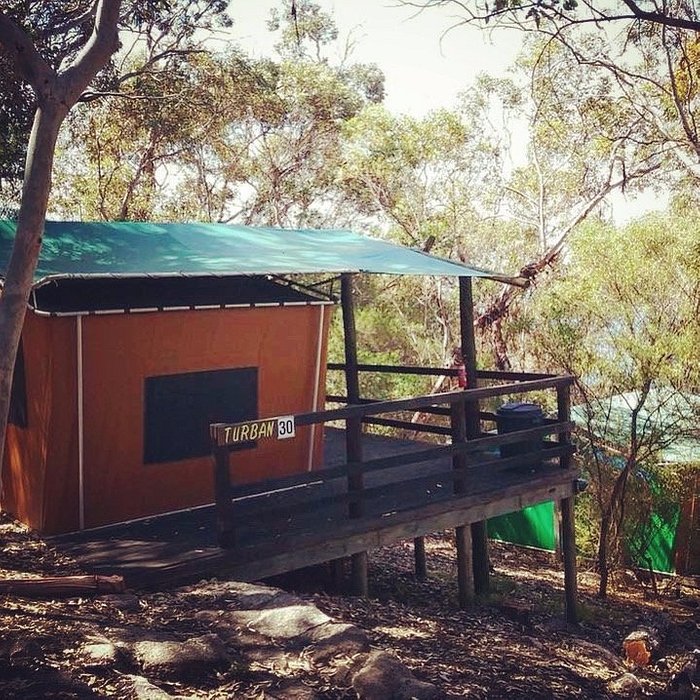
(182, 546)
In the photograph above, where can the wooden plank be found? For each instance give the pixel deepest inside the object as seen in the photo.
(399, 369)
(430, 410)
(446, 514)
(403, 459)
(61, 586)
(408, 425)
(338, 544)
(511, 376)
(292, 503)
(350, 338)
(420, 402)
(478, 536)
(446, 371)
(566, 511)
(376, 408)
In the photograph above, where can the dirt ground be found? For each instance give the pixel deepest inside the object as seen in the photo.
(512, 644)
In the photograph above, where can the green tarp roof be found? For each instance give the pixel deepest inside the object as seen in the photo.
(73, 249)
(668, 413)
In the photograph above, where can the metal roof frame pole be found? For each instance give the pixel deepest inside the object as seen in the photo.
(479, 535)
(353, 433)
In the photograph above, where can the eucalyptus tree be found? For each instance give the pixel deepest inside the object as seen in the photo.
(570, 14)
(584, 141)
(432, 183)
(630, 69)
(625, 325)
(52, 54)
(228, 137)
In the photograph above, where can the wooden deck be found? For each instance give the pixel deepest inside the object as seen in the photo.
(414, 497)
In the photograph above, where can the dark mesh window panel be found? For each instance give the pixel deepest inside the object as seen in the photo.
(178, 409)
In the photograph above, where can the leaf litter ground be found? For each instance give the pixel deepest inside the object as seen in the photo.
(512, 643)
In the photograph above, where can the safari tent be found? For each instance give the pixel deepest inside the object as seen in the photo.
(140, 335)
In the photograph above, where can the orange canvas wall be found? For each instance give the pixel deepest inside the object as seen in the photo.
(41, 482)
(40, 475)
(120, 351)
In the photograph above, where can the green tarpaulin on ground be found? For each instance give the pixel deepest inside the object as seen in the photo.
(72, 249)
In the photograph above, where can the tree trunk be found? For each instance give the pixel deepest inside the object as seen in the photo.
(56, 93)
(603, 569)
(25, 252)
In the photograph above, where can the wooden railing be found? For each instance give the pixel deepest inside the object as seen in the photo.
(355, 496)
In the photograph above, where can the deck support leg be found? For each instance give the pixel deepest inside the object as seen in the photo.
(465, 579)
(566, 511)
(360, 586)
(481, 564)
(353, 429)
(479, 535)
(337, 574)
(568, 544)
(419, 557)
(222, 496)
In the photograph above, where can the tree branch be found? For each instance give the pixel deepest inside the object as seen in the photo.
(96, 52)
(30, 65)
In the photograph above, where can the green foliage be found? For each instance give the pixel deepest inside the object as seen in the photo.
(59, 30)
(624, 314)
(217, 137)
(623, 319)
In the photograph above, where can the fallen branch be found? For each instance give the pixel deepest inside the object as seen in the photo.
(62, 586)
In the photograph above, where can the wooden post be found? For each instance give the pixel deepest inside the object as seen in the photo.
(222, 498)
(479, 535)
(419, 557)
(463, 537)
(566, 507)
(568, 543)
(352, 381)
(465, 580)
(353, 432)
(337, 574)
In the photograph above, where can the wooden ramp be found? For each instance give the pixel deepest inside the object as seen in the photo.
(401, 502)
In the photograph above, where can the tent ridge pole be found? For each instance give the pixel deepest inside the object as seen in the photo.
(81, 470)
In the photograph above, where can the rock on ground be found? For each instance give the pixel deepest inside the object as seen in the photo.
(384, 677)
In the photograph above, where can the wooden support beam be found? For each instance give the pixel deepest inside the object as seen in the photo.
(468, 341)
(337, 574)
(566, 508)
(568, 544)
(480, 546)
(360, 581)
(463, 536)
(222, 496)
(465, 579)
(298, 551)
(350, 339)
(419, 557)
(353, 433)
(479, 534)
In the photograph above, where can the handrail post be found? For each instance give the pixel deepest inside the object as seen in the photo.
(222, 497)
(463, 538)
(566, 505)
(479, 534)
(353, 427)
